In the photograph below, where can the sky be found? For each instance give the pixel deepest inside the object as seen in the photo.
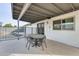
(6, 15)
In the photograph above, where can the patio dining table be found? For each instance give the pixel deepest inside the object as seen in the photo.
(37, 38)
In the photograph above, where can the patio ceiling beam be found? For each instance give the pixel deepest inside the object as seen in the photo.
(44, 8)
(25, 8)
(38, 13)
(19, 4)
(58, 7)
(72, 6)
(35, 18)
(40, 19)
(24, 19)
(32, 15)
(17, 7)
(16, 11)
(31, 18)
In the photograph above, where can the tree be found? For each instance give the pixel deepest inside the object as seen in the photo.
(8, 25)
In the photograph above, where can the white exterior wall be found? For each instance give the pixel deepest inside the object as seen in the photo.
(70, 37)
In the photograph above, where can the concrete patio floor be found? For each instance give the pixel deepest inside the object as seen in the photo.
(17, 48)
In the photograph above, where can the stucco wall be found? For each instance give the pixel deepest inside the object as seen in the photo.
(70, 37)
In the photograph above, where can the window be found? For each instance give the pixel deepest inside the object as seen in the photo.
(65, 24)
(57, 25)
(69, 20)
(68, 24)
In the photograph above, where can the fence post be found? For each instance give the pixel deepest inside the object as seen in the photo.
(25, 31)
(31, 30)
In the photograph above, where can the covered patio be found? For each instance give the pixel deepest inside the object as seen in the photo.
(38, 12)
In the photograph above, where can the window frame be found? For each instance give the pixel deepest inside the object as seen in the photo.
(56, 24)
(73, 24)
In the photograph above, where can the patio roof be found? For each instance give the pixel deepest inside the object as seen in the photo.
(40, 11)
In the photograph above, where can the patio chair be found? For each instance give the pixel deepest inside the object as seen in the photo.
(40, 42)
(30, 42)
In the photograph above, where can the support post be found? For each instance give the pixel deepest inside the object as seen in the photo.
(25, 8)
(18, 28)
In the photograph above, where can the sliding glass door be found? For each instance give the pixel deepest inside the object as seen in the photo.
(40, 28)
